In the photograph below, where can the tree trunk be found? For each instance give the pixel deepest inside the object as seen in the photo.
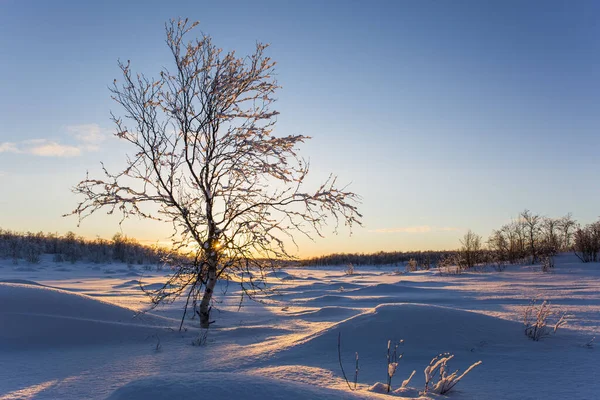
(208, 292)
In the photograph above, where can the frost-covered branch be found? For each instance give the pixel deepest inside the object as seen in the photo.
(438, 367)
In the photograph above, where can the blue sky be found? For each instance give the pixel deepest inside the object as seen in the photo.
(444, 115)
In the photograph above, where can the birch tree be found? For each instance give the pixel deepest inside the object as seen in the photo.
(532, 223)
(470, 250)
(204, 158)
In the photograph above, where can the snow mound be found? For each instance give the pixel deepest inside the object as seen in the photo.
(281, 275)
(153, 286)
(251, 334)
(346, 299)
(218, 386)
(427, 331)
(20, 281)
(37, 317)
(408, 392)
(401, 293)
(325, 286)
(328, 313)
(432, 329)
(128, 284)
(385, 288)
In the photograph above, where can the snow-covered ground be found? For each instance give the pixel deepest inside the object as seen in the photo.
(72, 332)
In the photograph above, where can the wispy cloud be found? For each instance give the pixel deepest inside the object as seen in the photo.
(40, 147)
(87, 138)
(414, 229)
(53, 149)
(8, 147)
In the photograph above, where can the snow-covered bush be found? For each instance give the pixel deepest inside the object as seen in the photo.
(31, 252)
(411, 265)
(349, 270)
(438, 367)
(393, 357)
(392, 362)
(537, 317)
(547, 263)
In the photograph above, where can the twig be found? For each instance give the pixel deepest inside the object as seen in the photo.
(340, 359)
(356, 372)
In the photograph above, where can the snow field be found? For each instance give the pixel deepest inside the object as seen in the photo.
(78, 334)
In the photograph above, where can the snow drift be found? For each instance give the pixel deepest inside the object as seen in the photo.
(426, 330)
(217, 386)
(34, 316)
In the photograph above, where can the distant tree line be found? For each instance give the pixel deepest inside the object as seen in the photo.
(528, 239)
(423, 259)
(71, 248)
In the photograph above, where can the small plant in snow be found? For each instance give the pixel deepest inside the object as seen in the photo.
(158, 346)
(438, 367)
(536, 319)
(547, 263)
(393, 357)
(392, 362)
(356, 369)
(407, 380)
(412, 265)
(349, 270)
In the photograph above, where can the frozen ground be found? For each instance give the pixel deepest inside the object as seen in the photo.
(72, 332)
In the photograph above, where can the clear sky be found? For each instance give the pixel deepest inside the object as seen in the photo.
(444, 115)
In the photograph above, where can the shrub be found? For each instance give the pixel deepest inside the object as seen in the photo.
(438, 367)
(392, 362)
(536, 319)
(449, 265)
(412, 265)
(32, 252)
(349, 270)
(547, 263)
(587, 242)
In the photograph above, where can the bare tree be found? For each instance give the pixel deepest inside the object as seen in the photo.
(586, 244)
(517, 229)
(551, 243)
(499, 243)
(470, 250)
(532, 224)
(204, 152)
(568, 226)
